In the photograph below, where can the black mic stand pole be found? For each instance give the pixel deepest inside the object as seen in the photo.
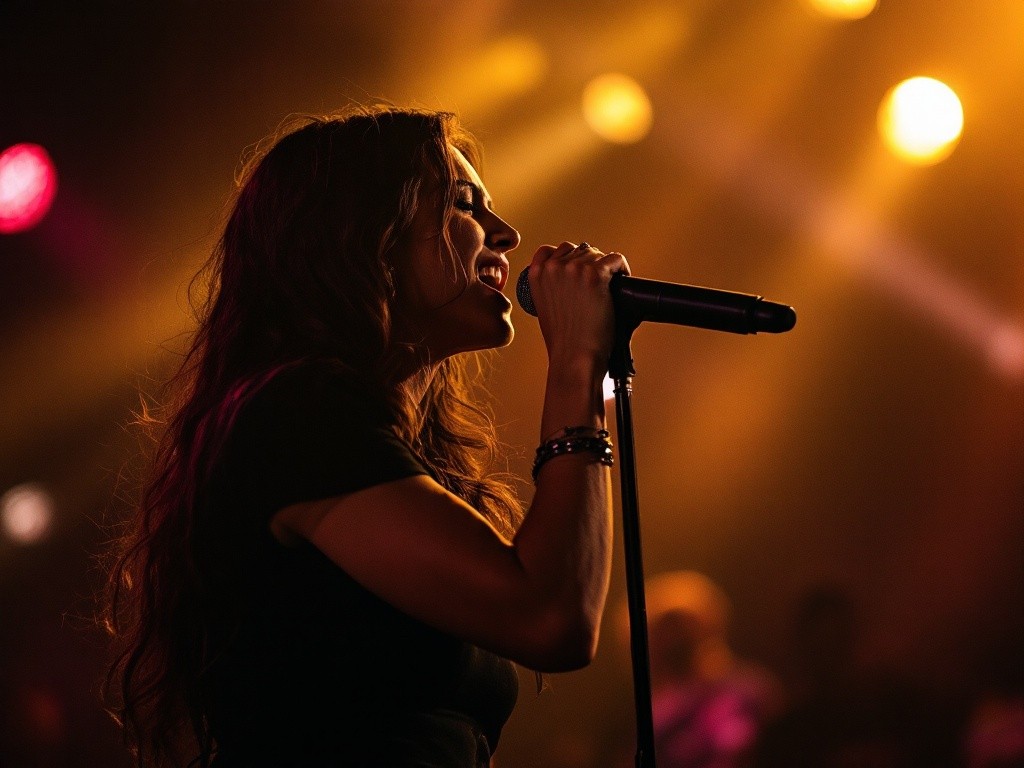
(620, 368)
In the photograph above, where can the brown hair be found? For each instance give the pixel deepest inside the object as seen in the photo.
(303, 272)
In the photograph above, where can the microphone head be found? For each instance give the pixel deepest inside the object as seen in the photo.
(523, 294)
(773, 318)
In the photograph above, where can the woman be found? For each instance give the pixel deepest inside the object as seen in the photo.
(322, 570)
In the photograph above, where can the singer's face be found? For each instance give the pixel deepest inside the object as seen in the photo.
(452, 288)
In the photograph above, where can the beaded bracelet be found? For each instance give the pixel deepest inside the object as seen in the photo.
(575, 440)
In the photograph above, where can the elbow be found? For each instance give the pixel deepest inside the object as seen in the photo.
(565, 643)
(574, 655)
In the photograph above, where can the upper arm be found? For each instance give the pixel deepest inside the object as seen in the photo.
(381, 518)
(431, 555)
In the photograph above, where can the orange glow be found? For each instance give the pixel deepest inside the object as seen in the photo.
(640, 39)
(535, 159)
(513, 64)
(503, 69)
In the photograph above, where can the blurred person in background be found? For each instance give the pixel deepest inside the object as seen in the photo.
(708, 704)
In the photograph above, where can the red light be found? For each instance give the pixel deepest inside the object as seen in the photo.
(28, 183)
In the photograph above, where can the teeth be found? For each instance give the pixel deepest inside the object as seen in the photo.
(490, 274)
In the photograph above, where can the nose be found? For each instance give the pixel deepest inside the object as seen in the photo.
(501, 236)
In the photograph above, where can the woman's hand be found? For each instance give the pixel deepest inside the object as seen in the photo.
(570, 289)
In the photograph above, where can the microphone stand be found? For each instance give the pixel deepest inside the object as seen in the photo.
(638, 300)
(620, 368)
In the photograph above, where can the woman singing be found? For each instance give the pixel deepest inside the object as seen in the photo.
(322, 570)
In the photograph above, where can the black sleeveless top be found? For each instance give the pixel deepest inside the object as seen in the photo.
(314, 670)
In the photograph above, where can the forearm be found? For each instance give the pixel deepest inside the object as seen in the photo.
(563, 548)
(564, 544)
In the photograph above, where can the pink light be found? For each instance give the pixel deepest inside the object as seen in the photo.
(28, 182)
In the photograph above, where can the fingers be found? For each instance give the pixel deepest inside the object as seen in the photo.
(615, 262)
(569, 288)
(571, 254)
(560, 252)
(565, 253)
(574, 273)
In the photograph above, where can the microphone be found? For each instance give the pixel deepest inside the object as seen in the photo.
(637, 299)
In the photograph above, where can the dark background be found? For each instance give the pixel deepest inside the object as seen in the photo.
(877, 446)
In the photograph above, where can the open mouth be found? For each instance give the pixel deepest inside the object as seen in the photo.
(492, 275)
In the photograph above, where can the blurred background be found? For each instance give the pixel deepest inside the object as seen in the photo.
(875, 452)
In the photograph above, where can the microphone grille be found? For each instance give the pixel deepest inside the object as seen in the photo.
(523, 294)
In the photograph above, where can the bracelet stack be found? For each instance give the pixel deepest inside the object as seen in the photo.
(575, 440)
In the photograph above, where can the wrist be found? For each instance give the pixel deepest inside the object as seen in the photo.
(575, 440)
(576, 368)
(575, 398)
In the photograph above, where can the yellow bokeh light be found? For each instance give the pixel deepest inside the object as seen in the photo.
(843, 9)
(514, 64)
(921, 120)
(617, 108)
(476, 85)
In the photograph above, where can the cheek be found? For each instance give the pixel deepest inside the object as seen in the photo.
(450, 270)
(466, 238)
(430, 279)
(437, 269)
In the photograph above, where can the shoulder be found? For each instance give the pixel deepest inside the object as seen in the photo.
(310, 432)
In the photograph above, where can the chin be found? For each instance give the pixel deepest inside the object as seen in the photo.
(508, 332)
(501, 332)
(501, 337)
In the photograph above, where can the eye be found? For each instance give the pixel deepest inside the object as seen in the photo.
(465, 203)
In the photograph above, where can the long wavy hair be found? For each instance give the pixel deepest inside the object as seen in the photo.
(303, 272)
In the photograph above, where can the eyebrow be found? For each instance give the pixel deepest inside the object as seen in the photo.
(476, 191)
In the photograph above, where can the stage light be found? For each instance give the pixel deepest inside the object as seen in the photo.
(843, 9)
(513, 65)
(617, 108)
(921, 120)
(26, 513)
(478, 84)
(28, 183)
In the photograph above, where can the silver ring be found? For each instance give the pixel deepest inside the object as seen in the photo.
(582, 246)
